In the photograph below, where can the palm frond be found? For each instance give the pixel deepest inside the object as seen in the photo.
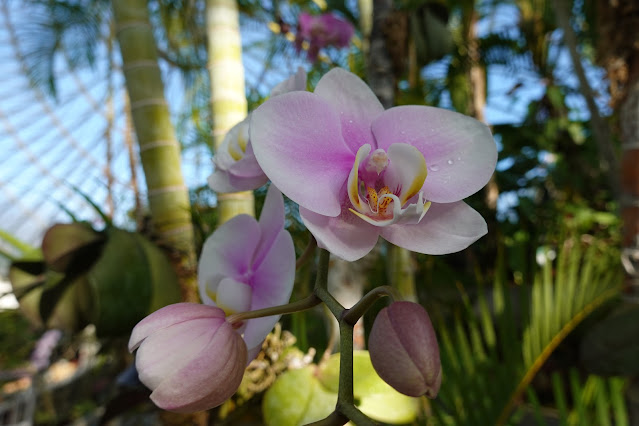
(595, 400)
(494, 348)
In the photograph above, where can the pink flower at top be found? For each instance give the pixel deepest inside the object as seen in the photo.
(247, 265)
(358, 171)
(321, 31)
(235, 166)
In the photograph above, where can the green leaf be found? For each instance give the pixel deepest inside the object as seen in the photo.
(121, 281)
(164, 281)
(297, 398)
(377, 399)
(26, 251)
(71, 246)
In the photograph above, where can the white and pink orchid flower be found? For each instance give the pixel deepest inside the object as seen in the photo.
(358, 171)
(247, 265)
(236, 168)
(189, 356)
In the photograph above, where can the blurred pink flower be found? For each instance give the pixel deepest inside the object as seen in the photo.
(189, 356)
(321, 31)
(404, 350)
(247, 265)
(358, 172)
(235, 166)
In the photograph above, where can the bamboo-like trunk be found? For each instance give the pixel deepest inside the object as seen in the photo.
(159, 150)
(228, 97)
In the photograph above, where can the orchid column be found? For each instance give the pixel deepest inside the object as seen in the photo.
(228, 98)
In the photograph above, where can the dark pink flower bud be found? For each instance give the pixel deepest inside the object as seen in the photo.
(404, 350)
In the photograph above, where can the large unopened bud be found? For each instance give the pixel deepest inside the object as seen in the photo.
(404, 349)
(189, 356)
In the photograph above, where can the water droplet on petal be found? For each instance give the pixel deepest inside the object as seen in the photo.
(350, 121)
(450, 162)
(434, 168)
(458, 158)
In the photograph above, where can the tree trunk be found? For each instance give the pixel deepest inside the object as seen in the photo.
(160, 154)
(159, 150)
(228, 97)
(382, 81)
(600, 130)
(630, 183)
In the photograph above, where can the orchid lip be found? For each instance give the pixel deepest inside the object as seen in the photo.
(381, 185)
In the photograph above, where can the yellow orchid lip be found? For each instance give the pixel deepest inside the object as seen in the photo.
(386, 182)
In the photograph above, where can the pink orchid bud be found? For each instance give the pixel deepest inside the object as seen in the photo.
(189, 356)
(404, 350)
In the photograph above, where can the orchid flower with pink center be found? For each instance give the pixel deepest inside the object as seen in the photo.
(321, 31)
(358, 171)
(189, 356)
(236, 168)
(247, 265)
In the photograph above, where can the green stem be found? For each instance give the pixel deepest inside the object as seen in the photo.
(345, 391)
(321, 281)
(308, 253)
(334, 419)
(353, 413)
(321, 285)
(331, 303)
(352, 315)
(289, 308)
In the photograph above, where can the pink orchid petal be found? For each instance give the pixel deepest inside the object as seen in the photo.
(294, 83)
(346, 236)
(253, 352)
(220, 181)
(228, 252)
(170, 315)
(271, 223)
(233, 296)
(356, 104)
(460, 151)
(156, 358)
(298, 142)
(210, 378)
(239, 183)
(248, 165)
(224, 181)
(272, 286)
(446, 228)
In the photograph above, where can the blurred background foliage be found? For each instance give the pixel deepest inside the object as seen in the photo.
(536, 322)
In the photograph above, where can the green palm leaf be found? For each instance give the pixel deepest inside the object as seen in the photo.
(490, 356)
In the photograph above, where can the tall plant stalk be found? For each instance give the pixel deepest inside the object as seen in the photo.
(228, 97)
(382, 81)
(159, 150)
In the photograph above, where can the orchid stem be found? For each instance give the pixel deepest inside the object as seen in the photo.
(308, 253)
(352, 315)
(289, 308)
(345, 391)
(334, 419)
(321, 285)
